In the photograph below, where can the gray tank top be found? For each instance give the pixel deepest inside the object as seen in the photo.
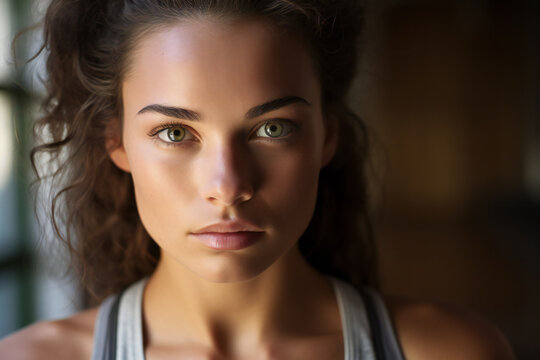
(367, 330)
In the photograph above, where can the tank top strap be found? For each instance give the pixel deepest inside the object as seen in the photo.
(118, 329)
(367, 330)
(354, 322)
(130, 344)
(385, 340)
(105, 329)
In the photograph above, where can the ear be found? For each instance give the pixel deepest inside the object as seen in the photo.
(114, 145)
(331, 138)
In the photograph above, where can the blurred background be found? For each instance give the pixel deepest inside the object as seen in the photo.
(451, 93)
(31, 263)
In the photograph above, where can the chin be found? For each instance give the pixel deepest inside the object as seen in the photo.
(231, 270)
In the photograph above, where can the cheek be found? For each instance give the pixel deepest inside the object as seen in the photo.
(160, 185)
(291, 190)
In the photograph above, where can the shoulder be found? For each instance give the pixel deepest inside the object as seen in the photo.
(69, 338)
(429, 330)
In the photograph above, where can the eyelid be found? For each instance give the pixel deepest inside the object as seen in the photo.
(167, 125)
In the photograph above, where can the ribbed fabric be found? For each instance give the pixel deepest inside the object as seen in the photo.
(354, 322)
(104, 340)
(390, 345)
(130, 330)
(367, 331)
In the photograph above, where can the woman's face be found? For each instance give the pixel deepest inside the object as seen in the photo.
(202, 151)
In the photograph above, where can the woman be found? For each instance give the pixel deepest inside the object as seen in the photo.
(212, 178)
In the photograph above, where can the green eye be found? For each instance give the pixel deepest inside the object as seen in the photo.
(173, 134)
(176, 134)
(274, 129)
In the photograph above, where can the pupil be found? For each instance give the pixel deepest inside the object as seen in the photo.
(273, 129)
(176, 134)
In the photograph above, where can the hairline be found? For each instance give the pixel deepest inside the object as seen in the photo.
(155, 25)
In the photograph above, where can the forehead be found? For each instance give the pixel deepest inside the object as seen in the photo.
(208, 62)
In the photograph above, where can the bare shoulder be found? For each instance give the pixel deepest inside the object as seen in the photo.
(69, 338)
(429, 330)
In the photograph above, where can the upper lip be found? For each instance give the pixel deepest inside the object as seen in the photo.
(229, 227)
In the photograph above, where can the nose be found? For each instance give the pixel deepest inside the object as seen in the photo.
(226, 176)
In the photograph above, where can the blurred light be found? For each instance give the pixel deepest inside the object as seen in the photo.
(5, 38)
(532, 161)
(6, 141)
(35, 70)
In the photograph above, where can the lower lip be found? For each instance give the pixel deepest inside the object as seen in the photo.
(228, 241)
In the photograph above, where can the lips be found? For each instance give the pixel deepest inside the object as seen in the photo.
(230, 235)
(229, 227)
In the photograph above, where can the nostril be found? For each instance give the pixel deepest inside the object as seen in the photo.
(230, 199)
(246, 196)
(228, 191)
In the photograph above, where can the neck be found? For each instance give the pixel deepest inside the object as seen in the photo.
(289, 297)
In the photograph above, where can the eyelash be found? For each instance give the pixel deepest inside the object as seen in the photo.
(155, 132)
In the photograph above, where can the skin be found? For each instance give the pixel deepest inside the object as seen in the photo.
(264, 301)
(233, 300)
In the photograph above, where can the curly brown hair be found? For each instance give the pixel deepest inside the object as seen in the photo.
(93, 212)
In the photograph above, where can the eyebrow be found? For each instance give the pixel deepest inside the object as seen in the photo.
(181, 113)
